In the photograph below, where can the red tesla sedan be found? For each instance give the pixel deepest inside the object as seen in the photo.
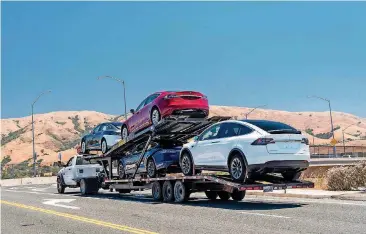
(163, 104)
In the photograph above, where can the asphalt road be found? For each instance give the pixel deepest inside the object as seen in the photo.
(40, 209)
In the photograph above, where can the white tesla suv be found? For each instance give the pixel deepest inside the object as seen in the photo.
(247, 149)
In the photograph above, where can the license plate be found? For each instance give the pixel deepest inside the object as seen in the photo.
(267, 189)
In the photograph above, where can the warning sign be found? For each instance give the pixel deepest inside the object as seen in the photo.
(333, 141)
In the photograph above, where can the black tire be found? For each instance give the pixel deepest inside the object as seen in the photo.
(123, 190)
(155, 116)
(168, 191)
(291, 175)
(121, 171)
(212, 195)
(237, 168)
(105, 150)
(60, 186)
(84, 188)
(157, 191)
(224, 195)
(124, 128)
(84, 150)
(151, 168)
(181, 192)
(238, 195)
(186, 164)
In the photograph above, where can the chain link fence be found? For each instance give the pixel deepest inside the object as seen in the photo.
(346, 152)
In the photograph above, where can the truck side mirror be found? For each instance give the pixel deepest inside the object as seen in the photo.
(60, 164)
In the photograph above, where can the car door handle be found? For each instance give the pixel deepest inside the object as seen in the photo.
(215, 141)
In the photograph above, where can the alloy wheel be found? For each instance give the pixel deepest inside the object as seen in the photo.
(124, 133)
(151, 168)
(83, 147)
(155, 117)
(104, 147)
(236, 168)
(186, 164)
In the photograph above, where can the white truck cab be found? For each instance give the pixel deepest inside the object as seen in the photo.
(76, 171)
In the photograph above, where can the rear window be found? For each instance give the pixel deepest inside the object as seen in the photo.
(272, 126)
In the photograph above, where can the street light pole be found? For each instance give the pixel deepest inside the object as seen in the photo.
(246, 115)
(124, 89)
(344, 146)
(331, 119)
(33, 145)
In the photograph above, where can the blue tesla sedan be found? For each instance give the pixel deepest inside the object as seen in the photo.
(102, 137)
(159, 159)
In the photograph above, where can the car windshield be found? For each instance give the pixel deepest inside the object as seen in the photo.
(117, 125)
(272, 126)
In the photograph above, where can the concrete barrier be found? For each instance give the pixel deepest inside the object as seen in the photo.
(28, 181)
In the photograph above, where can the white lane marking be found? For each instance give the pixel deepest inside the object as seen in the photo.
(54, 202)
(268, 215)
(321, 201)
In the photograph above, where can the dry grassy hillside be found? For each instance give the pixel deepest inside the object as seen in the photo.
(61, 131)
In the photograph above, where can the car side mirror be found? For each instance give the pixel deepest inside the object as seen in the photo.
(195, 139)
(132, 111)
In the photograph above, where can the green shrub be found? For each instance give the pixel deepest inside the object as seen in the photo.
(12, 136)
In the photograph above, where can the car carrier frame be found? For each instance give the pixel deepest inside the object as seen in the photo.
(179, 187)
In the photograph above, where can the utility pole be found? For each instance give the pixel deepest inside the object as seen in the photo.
(124, 89)
(34, 151)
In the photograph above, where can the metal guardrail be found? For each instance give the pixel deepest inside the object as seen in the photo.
(335, 161)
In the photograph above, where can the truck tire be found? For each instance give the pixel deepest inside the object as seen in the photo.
(238, 195)
(225, 196)
(156, 191)
(212, 195)
(60, 186)
(181, 192)
(84, 188)
(168, 191)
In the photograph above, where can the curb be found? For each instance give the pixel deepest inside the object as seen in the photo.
(338, 197)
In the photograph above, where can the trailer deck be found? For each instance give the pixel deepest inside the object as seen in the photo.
(179, 187)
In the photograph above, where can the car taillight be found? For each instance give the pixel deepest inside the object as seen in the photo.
(170, 96)
(305, 141)
(263, 141)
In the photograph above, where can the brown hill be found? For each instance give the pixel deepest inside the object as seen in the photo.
(61, 131)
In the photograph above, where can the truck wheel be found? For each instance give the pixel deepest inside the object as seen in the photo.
(291, 175)
(237, 168)
(60, 186)
(186, 164)
(84, 188)
(156, 191)
(212, 195)
(168, 191)
(224, 195)
(151, 168)
(238, 195)
(181, 192)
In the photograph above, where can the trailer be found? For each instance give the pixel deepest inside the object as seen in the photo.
(178, 187)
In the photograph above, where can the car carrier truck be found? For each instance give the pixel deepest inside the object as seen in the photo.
(170, 187)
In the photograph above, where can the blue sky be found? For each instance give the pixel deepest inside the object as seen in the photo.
(237, 53)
